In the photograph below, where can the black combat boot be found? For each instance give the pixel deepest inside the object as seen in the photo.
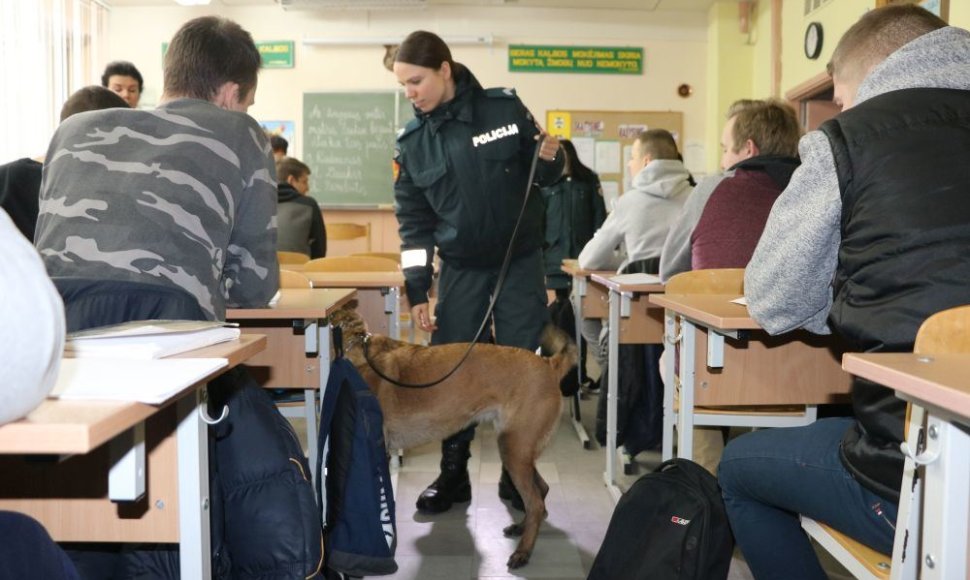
(453, 485)
(507, 491)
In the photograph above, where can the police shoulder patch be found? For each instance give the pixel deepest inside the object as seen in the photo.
(500, 93)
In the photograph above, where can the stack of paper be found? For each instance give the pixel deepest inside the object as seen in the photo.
(636, 279)
(148, 339)
(143, 381)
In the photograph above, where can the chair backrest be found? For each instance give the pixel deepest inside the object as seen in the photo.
(946, 332)
(348, 231)
(292, 257)
(393, 256)
(291, 279)
(714, 281)
(351, 264)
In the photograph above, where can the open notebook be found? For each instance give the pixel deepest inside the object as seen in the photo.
(143, 381)
(148, 339)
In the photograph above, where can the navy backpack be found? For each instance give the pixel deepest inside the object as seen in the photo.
(354, 491)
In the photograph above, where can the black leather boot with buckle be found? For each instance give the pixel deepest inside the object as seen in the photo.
(507, 491)
(453, 485)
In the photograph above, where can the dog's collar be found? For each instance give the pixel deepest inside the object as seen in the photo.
(361, 339)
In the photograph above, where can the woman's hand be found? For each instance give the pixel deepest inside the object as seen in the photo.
(549, 148)
(422, 317)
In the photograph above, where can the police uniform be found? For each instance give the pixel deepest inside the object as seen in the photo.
(461, 174)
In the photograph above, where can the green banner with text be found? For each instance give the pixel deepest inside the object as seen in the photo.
(276, 54)
(576, 59)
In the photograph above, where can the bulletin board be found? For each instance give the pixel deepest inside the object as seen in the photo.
(603, 139)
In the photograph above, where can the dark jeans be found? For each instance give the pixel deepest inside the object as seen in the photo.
(770, 476)
(27, 551)
(520, 311)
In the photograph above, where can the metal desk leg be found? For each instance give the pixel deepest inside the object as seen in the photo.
(195, 553)
(312, 347)
(670, 384)
(685, 415)
(612, 388)
(324, 341)
(577, 420)
(947, 500)
(392, 308)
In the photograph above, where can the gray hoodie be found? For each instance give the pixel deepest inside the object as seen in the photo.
(641, 218)
(788, 280)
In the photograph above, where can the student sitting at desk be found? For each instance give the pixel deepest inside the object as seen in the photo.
(31, 344)
(725, 214)
(868, 240)
(630, 240)
(299, 223)
(181, 196)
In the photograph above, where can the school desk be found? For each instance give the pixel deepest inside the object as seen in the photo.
(378, 296)
(57, 462)
(772, 381)
(632, 320)
(939, 384)
(590, 300)
(297, 354)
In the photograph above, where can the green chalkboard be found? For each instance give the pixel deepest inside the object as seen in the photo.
(348, 142)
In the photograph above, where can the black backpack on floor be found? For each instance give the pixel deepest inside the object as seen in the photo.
(671, 524)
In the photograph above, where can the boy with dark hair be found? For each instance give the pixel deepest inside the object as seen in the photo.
(279, 146)
(183, 196)
(299, 221)
(122, 78)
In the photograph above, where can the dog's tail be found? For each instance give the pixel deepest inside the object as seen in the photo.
(560, 349)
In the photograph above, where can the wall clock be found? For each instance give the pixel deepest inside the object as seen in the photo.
(813, 40)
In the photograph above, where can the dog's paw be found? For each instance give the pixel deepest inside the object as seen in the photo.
(514, 531)
(518, 559)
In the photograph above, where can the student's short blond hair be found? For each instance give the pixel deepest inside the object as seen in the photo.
(771, 124)
(878, 34)
(658, 143)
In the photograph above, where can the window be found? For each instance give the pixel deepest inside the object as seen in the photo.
(48, 49)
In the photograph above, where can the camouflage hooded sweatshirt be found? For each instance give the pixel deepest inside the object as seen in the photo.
(184, 195)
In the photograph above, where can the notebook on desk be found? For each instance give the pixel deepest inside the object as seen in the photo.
(149, 339)
(142, 381)
(636, 278)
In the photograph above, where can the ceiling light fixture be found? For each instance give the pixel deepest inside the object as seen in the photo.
(192, 2)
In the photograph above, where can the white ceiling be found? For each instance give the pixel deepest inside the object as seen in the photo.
(638, 5)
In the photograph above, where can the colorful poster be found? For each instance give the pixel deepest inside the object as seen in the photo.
(624, 60)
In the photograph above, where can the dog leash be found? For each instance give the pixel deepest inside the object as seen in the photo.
(491, 305)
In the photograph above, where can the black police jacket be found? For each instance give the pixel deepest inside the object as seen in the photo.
(574, 211)
(461, 180)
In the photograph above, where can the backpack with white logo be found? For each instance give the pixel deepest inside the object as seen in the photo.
(671, 524)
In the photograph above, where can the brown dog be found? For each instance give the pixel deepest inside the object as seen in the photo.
(512, 387)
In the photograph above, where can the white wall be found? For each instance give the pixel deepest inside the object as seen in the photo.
(674, 53)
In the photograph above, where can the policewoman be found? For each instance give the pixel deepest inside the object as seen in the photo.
(461, 172)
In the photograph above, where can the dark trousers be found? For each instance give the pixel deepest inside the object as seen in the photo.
(27, 551)
(517, 320)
